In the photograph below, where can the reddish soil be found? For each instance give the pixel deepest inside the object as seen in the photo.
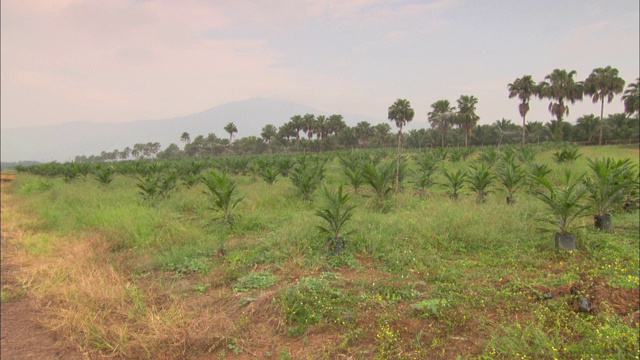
(22, 335)
(602, 297)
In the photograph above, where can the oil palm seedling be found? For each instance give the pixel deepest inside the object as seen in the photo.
(83, 169)
(284, 164)
(564, 204)
(168, 183)
(254, 168)
(489, 155)
(149, 189)
(440, 153)
(104, 175)
(70, 172)
(224, 194)
(306, 177)
(352, 168)
(190, 179)
(568, 152)
(401, 172)
(480, 179)
(537, 170)
(608, 182)
(422, 178)
(380, 178)
(526, 153)
(269, 174)
(455, 182)
(455, 155)
(336, 212)
(512, 177)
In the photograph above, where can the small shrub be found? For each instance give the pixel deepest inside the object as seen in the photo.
(431, 307)
(255, 280)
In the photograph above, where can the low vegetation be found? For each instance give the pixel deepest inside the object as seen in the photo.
(316, 257)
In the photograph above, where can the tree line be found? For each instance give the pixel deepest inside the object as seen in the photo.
(450, 125)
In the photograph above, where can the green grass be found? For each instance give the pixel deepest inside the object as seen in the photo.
(462, 269)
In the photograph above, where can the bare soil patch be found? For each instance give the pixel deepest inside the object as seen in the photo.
(22, 335)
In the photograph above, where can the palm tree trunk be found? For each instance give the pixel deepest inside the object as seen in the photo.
(398, 162)
(601, 119)
(524, 136)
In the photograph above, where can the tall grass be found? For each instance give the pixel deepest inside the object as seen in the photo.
(474, 265)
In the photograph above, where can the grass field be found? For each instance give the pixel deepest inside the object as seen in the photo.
(430, 277)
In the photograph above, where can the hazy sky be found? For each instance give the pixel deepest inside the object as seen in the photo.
(124, 60)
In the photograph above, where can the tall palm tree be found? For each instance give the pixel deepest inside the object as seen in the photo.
(363, 132)
(185, 138)
(381, 134)
(336, 124)
(560, 87)
(587, 127)
(231, 129)
(286, 132)
(535, 130)
(308, 121)
(523, 88)
(297, 124)
(441, 117)
(401, 113)
(603, 83)
(321, 127)
(631, 97)
(269, 132)
(467, 117)
(124, 154)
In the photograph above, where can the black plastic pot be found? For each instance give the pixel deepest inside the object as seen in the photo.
(335, 247)
(565, 241)
(603, 222)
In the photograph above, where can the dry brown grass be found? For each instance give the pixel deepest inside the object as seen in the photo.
(91, 300)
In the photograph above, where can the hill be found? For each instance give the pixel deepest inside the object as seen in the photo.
(65, 141)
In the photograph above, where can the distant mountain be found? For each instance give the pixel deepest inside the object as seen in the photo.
(65, 141)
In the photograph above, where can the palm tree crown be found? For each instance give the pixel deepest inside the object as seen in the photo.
(603, 83)
(185, 137)
(467, 117)
(631, 97)
(441, 117)
(523, 88)
(231, 129)
(560, 87)
(269, 132)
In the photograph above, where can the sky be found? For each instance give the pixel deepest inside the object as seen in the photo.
(125, 60)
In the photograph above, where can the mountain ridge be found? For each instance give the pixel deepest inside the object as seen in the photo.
(62, 142)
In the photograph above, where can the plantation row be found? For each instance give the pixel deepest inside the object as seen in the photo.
(338, 255)
(608, 185)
